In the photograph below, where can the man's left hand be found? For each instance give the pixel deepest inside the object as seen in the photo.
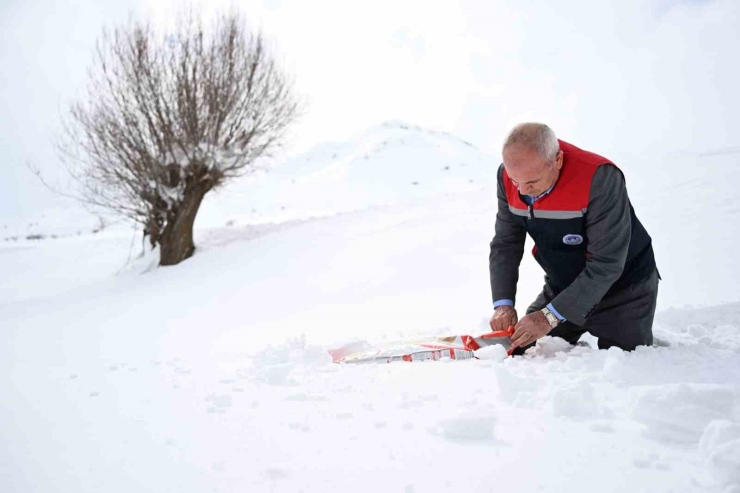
(529, 329)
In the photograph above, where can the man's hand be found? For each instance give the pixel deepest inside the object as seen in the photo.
(503, 317)
(529, 329)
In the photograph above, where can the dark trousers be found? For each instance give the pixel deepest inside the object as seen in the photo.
(623, 319)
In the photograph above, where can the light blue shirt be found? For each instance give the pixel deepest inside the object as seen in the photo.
(531, 200)
(499, 303)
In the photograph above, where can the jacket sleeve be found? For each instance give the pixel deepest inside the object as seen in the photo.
(507, 248)
(608, 232)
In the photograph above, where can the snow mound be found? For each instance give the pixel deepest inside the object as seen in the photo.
(719, 449)
(712, 327)
(548, 347)
(576, 401)
(681, 412)
(495, 352)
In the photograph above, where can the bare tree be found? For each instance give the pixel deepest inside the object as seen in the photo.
(166, 119)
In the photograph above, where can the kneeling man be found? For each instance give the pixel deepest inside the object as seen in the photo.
(600, 272)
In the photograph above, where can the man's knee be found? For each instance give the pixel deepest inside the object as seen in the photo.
(626, 334)
(627, 325)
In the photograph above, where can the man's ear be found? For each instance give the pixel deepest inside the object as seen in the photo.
(559, 160)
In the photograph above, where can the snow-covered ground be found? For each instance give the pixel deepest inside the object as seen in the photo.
(214, 375)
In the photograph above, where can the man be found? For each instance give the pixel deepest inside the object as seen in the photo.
(600, 272)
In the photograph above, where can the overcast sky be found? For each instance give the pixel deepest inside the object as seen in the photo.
(651, 76)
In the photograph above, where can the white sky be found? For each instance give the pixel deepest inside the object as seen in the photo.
(651, 76)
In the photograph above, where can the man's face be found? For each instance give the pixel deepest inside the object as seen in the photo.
(529, 171)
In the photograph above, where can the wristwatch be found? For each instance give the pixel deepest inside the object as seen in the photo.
(550, 316)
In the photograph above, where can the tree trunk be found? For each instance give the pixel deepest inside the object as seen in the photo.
(176, 243)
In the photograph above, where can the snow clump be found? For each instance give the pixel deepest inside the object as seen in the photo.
(495, 352)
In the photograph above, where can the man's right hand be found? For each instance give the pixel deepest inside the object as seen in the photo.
(503, 318)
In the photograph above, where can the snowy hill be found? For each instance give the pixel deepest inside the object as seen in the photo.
(393, 162)
(214, 376)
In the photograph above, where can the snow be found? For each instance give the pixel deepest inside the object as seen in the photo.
(215, 375)
(720, 448)
(493, 353)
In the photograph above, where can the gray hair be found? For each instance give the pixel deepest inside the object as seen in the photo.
(536, 136)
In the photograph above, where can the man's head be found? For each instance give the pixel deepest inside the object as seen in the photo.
(532, 157)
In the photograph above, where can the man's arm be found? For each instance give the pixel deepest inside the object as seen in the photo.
(507, 248)
(608, 230)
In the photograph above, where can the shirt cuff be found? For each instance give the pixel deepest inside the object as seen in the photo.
(499, 303)
(554, 312)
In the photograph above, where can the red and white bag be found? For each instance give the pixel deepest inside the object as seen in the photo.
(435, 348)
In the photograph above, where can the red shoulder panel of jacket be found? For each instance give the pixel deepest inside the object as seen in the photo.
(571, 191)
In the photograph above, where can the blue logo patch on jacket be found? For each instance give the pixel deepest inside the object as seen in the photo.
(572, 239)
